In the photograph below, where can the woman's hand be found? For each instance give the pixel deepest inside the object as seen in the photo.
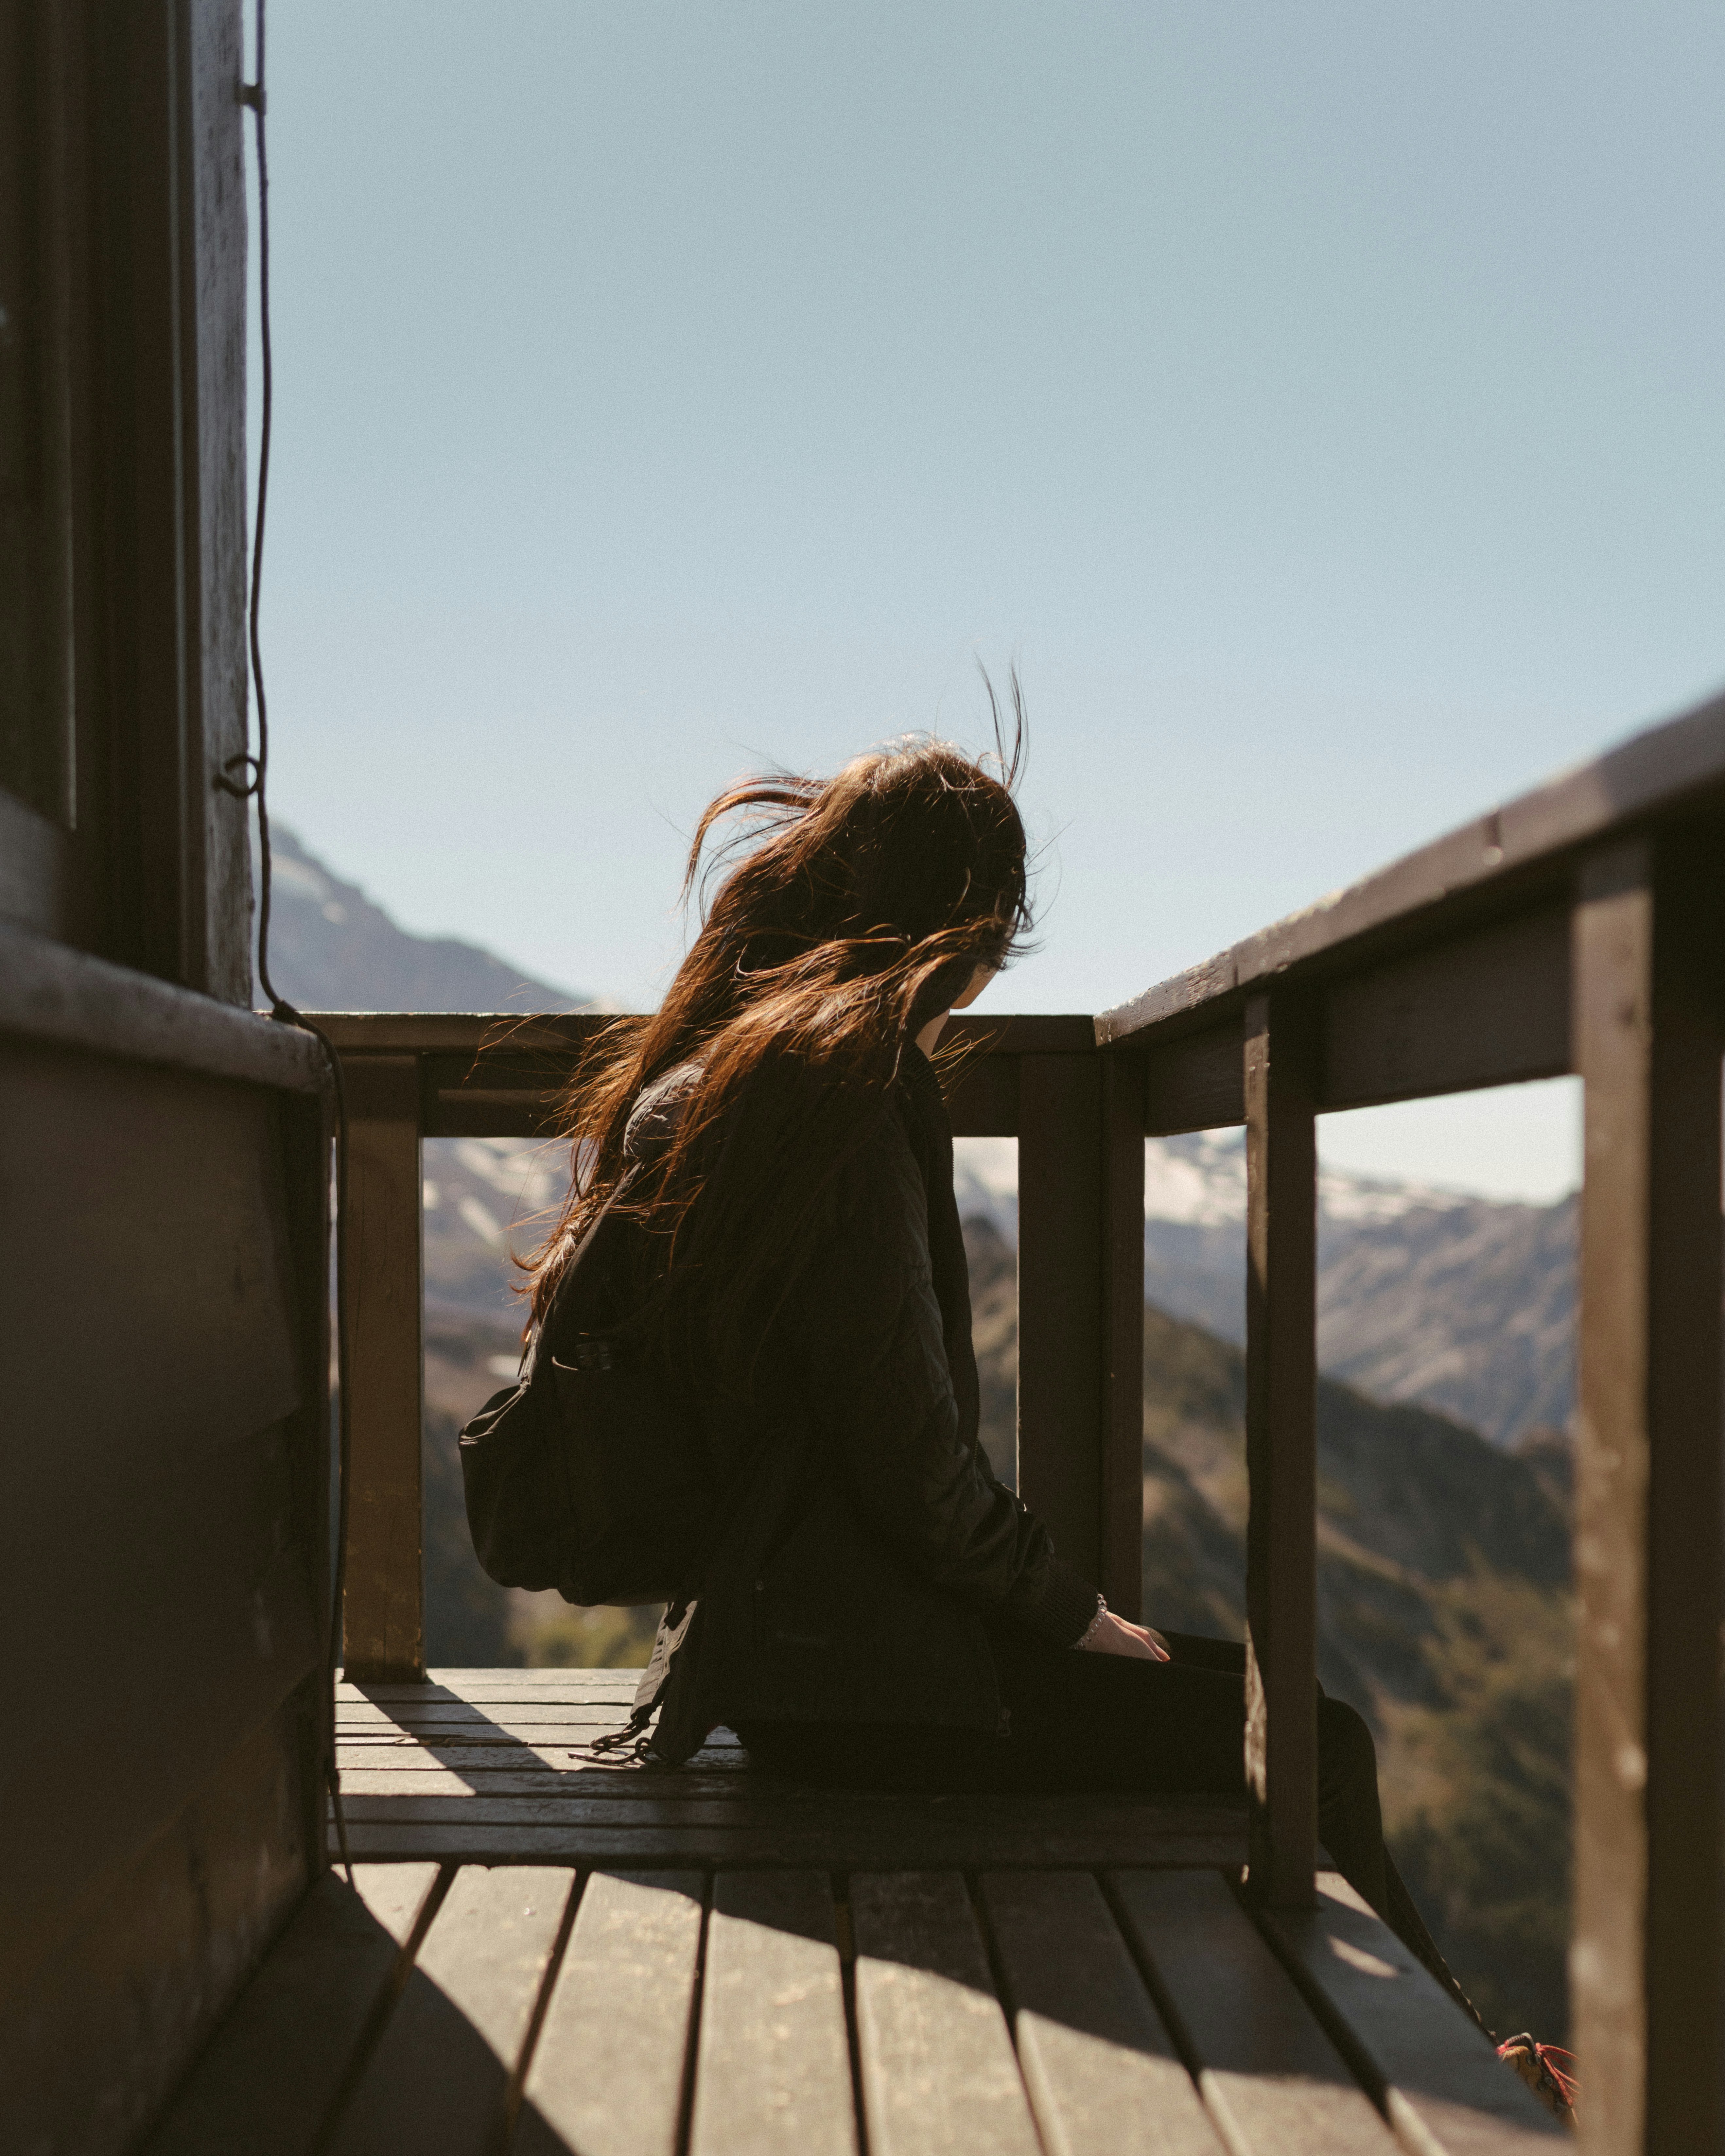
(1112, 1635)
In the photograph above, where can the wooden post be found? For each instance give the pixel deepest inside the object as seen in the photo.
(383, 1605)
(1645, 1960)
(1062, 1330)
(307, 1129)
(1281, 1392)
(1123, 1435)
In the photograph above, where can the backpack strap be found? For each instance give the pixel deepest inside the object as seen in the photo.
(530, 1363)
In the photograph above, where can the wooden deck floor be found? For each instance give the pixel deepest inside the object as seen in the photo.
(547, 1956)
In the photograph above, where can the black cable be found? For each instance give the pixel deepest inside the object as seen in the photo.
(254, 95)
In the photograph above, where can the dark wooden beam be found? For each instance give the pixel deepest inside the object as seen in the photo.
(1121, 1578)
(1193, 1082)
(307, 1129)
(1650, 1569)
(982, 1096)
(1500, 863)
(483, 1111)
(169, 203)
(513, 1091)
(464, 1034)
(1488, 1008)
(1281, 1394)
(1035, 1033)
(549, 1032)
(384, 1610)
(1061, 1326)
(486, 1076)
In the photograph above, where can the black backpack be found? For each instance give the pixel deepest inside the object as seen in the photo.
(589, 1474)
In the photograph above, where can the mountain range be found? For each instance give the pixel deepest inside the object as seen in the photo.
(1459, 1304)
(1445, 1331)
(1462, 1304)
(332, 948)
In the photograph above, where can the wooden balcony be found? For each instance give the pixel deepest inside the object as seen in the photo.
(558, 1957)
(590, 1958)
(641, 1964)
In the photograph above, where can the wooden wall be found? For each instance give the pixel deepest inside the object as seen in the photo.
(164, 1543)
(164, 1156)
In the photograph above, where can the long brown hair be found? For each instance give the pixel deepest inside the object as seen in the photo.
(847, 911)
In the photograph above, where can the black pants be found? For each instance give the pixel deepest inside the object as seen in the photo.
(1091, 1723)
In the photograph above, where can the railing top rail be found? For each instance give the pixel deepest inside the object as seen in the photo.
(1496, 864)
(555, 1033)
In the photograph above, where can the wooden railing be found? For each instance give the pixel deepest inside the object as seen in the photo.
(1581, 929)
(1078, 1115)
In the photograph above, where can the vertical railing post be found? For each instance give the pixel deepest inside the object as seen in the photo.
(1061, 1340)
(1122, 1436)
(383, 1614)
(1282, 1386)
(1644, 1965)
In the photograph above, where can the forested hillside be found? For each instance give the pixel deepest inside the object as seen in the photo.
(1443, 1615)
(1443, 1607)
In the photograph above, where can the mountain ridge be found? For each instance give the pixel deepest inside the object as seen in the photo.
(332, 947)
(1461, 1304)
(1455, 1302)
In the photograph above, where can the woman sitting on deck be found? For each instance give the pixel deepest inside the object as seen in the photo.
(875, 1609)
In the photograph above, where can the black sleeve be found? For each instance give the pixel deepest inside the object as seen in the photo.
(868, 1328)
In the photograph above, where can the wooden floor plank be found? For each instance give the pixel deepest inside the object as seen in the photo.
(551, 1798)
(1271, 2078)
(471, 1714)
(274, 2065)
(472, 1684)
(1442, 2086)
(1104, 2075)
(608, 2070)
(939, 2076)
(436, 2080)
(864, 1846)
(772, 2072)
(606, 1680)
(660, 1796)
(558, 1684)
(393, 1735)
(522, 1700)
(369, 1746)
(385, 1753)
(561, 1782)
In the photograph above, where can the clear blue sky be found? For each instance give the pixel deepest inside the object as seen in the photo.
(1321, 403)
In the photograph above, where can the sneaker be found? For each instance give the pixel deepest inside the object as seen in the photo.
(1537, 2065)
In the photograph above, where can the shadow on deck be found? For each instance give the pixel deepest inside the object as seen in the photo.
(547, 1955)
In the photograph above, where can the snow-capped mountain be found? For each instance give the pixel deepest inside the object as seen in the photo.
(1197, 1184)
(1458, 1302)
(1424, 1295)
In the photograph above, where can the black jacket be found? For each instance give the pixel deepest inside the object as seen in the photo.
(867, 1546)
